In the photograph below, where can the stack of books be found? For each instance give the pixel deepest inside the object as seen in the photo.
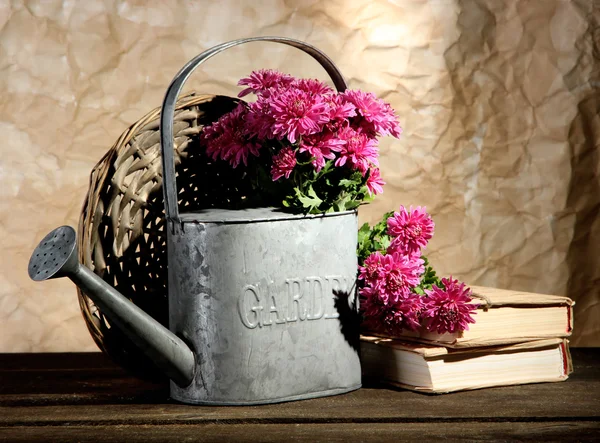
(518, 337)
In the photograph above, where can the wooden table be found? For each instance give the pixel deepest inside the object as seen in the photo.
(84, 397)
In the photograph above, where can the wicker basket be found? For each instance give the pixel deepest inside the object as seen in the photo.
(121, 228)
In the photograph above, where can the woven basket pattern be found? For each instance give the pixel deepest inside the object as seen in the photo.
(121, 228)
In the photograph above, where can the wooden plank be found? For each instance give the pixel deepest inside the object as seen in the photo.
(55, 360)
(86, 384)
(553, 400)
(583, 358)
(106, 395)
(555, 431)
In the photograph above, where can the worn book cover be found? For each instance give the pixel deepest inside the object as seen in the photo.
(439, 369)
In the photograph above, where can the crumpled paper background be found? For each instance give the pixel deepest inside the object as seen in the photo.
(498, 99)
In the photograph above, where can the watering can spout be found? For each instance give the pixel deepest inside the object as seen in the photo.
(56, 256)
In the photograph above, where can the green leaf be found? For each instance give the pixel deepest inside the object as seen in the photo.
(346, 183)
(342, 203)
(373, 239)
(326, 169)
(385, 241)
(363, 232)
(309, 201)
(313, 195)
(367, 198)
(352, 204)
(429, 278)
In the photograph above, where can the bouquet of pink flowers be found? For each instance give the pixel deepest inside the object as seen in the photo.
(398, 288)
(303, 145)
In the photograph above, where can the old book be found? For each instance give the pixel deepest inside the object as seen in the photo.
(437, 369)
(507, 317)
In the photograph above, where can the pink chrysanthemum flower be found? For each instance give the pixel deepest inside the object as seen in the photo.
(412, 230)
(448, 309)
(263, 81)
(390, 319)
(410, 308)
(312, 86)
(359, 150)
(392, 276)
(375, 182)
(340, 109)
(259, 121)
(370, 303)
(320, 147)
(283, 164)
(226, 138)
(379, 116)
(402, 274)
(297, 113)
(373, 269)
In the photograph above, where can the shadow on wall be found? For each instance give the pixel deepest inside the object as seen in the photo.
(471, 54)
(583, 200)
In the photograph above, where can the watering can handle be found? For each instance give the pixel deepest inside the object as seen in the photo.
(168, 108)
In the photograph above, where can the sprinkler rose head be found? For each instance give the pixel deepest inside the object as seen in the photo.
(55, 256)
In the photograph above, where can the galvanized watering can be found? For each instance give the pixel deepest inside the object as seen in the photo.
(262, 304)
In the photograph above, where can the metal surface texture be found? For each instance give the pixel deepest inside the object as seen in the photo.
(168, 108)
(266, 299)
(268, 303)
(56, 256)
